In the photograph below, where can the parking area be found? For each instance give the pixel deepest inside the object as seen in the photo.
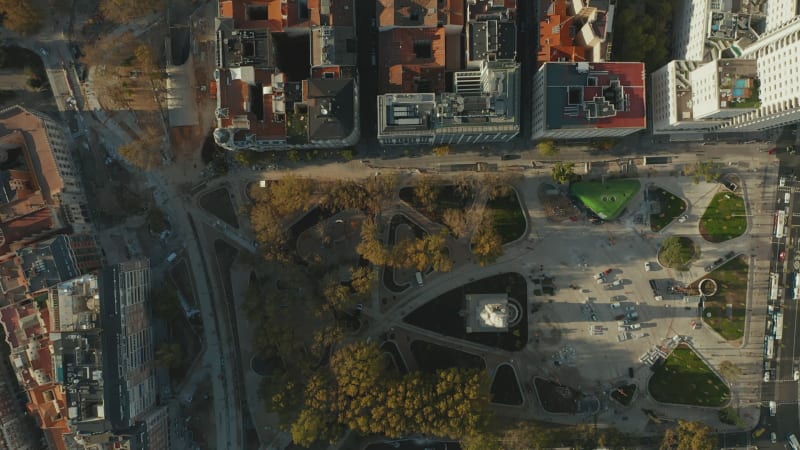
(604, 305)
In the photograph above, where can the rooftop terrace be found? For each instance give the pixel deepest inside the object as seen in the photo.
(596, 95)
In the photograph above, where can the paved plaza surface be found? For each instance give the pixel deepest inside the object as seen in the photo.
(572, 252)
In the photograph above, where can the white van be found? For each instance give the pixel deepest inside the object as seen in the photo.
(418, 276)
(773, 408)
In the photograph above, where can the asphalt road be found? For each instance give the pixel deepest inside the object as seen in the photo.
(782, 388)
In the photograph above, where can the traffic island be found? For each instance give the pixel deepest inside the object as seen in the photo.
(607, 199)
(725, 308)
(724, 219)
(677, 252)
(685, 379)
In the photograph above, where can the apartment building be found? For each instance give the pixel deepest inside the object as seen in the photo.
(128, 342)
(755, 45)
(41, 175)
(286, 74)
(427, 95)
(588, 100)
(575, 31)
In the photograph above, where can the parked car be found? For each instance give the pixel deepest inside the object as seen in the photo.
(773, 437)
(615, 305)
(594, 317)
(607, 271)
(647, 266)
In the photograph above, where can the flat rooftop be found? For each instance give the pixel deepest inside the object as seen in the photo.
(595, 95)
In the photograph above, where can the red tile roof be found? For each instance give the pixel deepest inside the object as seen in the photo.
(234, 94)
(555, 37)
(401, 70)
(238, 11)
(632, 77)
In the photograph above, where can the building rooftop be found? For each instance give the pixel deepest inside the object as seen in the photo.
(21, 322)
(411, 60)
(333, 46)
(415, 13)
(252, 101)
(725, 84)
(571, 32)
(594, 95)
(330, 108)
(47, 263)
(255, 14)
(75, 304)
(80, 370)
(492, 40)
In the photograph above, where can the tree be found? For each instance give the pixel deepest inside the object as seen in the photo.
(20, 17)
(676, 252)
(169, 354)
(563, 173)
(428, 251)
(441, 150)
(146, 58)
(271, 236)
(708, 171)
(166, 303)
(486, 242)
(363, 280)
(337, 296)
(122, 11)
(456, 221)
(371, 246)
(483, 441)
(426, 190)
(145, 151)
(346, 195)
(381, 191)
(289, 195)
(690, 436)
(360, 393)
(548, 148)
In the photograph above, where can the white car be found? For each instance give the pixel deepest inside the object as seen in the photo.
(797, 375)
(647, 267)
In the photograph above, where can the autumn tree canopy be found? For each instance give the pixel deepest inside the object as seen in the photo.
(358, 392)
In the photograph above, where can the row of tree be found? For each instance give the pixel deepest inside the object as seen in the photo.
(358, 392)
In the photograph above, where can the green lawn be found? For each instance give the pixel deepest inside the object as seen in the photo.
(724, 218)
(509, 220)
(672, 207)
(731, 281)
(607, 199)
(685, 379)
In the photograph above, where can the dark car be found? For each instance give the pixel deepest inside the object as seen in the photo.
(630, 372)
(509, 157)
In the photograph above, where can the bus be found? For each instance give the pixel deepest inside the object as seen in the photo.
(779, 325)
(793, 442)
(768, 347)
(780, 222)
(773, 287)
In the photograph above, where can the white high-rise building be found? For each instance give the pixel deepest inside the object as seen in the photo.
(747, 80)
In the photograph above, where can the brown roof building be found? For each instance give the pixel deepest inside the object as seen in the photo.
(434, 89)
(40, 187)
(575, 31)
(261, 97)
